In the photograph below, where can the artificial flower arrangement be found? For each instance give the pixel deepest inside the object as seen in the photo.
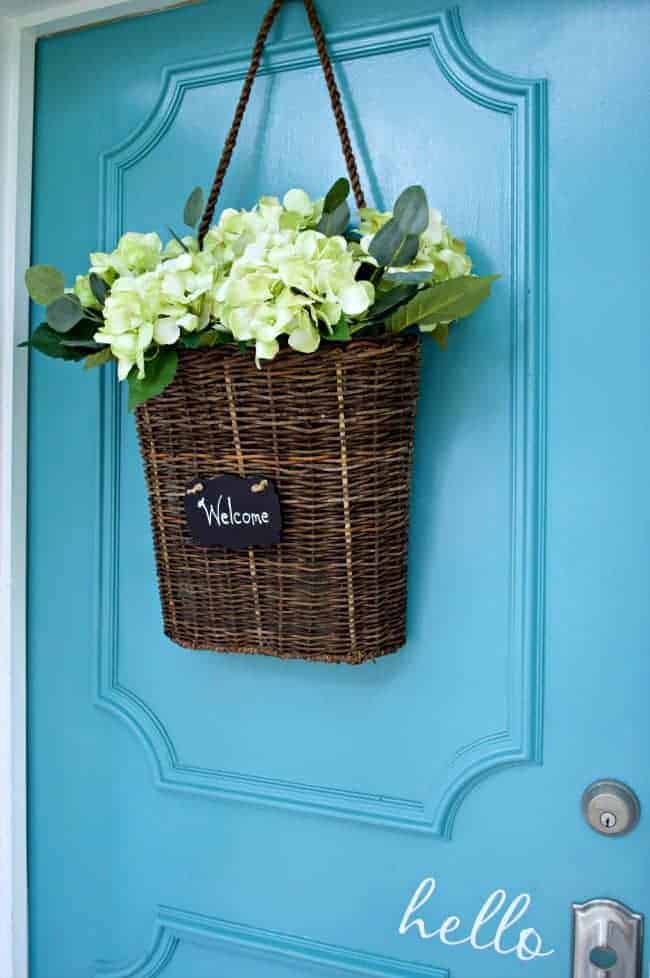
(285, 273)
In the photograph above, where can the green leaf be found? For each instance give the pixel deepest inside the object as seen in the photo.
(391, 246)
(64, 313)
(87, 345)
(205, 339)
(193, 208)
(74, 345)
(440, 334)
(97, 359)
(366, 272)
(388, 300)
(47, 341)
(336, 195)
(84, 330)
(190, 340)
(445, 302)
(411, 210)
(340, 332)
(159, 373)
(98, 287)
(336, 221)
(215, 337)
(44, 283)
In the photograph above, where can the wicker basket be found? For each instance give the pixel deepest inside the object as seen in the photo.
(334, 430)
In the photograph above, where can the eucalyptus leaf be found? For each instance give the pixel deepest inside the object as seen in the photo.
(411, 210)
(194, 207)
(97, 359)
(336, 195)
(390, 246)
(445, 302)
(64, 313)
(177, 239)
(336, 221)
(413, 278)
(44, 283)
(159, 373)
(99, 287)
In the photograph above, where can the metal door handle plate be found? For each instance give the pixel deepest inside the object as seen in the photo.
(607, 940)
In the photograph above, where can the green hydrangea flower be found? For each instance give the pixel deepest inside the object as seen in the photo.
(84, 293)
(371, 220)
(135, 254)
(289, 281)
(262, 274)
(138, 313)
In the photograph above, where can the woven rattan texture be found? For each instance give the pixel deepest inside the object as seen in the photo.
(334, 430)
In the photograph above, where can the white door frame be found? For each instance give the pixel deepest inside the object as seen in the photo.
(18, 36)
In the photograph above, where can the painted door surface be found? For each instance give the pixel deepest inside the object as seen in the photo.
(195, 815)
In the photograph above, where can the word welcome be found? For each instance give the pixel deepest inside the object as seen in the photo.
(527, 946)
(225, 515)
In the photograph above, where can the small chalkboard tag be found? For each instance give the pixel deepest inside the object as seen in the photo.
(233, 512)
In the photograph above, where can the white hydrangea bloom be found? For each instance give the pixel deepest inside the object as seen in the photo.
(289, 281)
(137, 314)
(261, 274)
(84, 292)
(135, 254)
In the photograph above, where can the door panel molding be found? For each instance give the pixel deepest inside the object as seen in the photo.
(523, 102)
(173, 927)
(19, 33)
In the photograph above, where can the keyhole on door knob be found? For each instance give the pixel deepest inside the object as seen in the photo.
(604, 957)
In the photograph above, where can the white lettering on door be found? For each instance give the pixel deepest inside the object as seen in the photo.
(527, 945)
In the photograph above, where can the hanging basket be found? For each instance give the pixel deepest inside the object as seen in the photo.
(334, 431)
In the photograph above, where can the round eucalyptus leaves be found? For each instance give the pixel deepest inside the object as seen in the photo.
(285, 272)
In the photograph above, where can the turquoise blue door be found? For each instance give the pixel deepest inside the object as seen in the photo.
(195, 815)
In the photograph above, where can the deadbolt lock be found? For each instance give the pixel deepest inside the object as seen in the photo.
(610, 807)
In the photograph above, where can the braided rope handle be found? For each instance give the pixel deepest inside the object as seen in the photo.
(335, 98)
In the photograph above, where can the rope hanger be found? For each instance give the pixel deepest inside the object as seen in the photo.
(335, 99)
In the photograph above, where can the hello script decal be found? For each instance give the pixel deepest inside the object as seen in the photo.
(233, 512)
(526, 943)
